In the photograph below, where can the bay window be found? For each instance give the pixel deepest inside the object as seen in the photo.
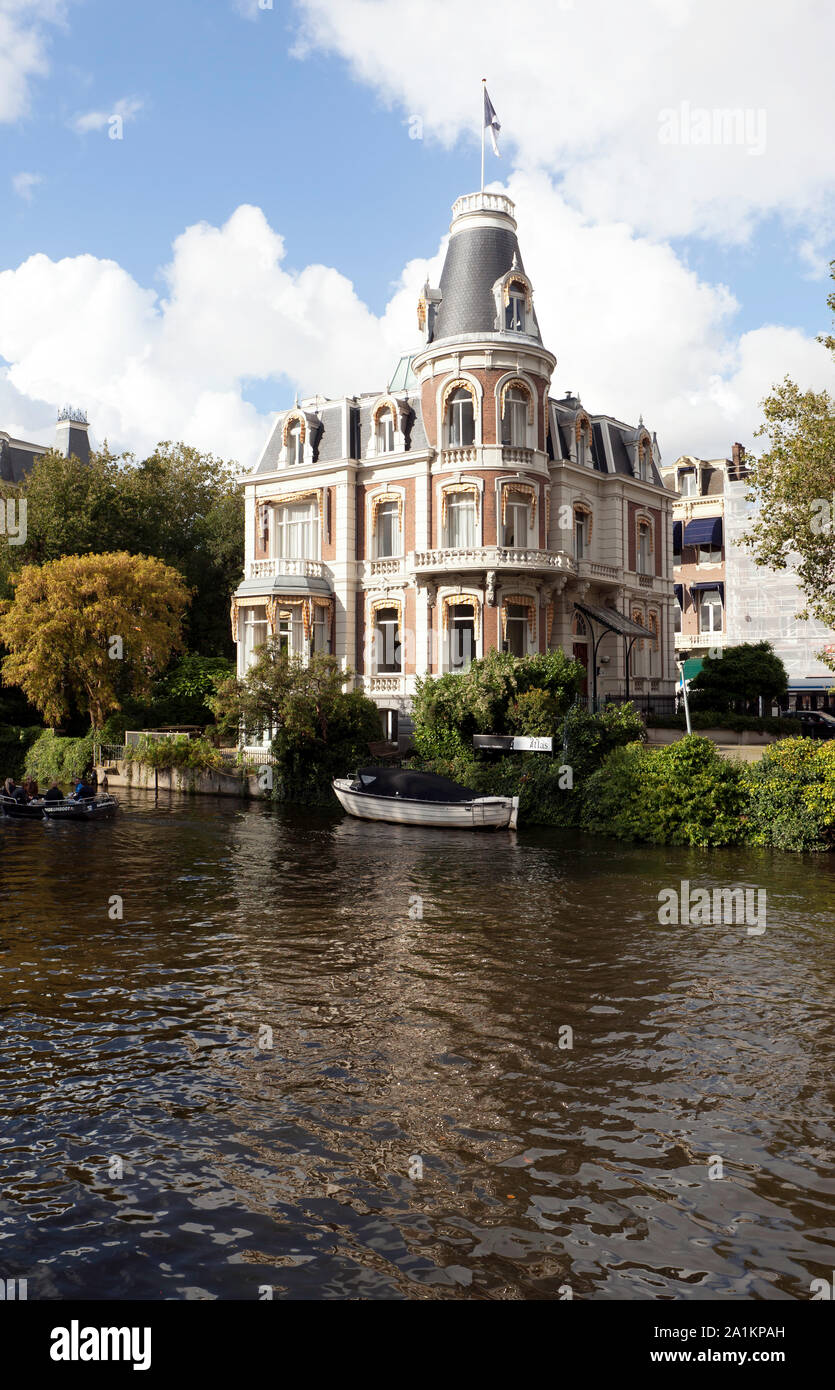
(516, 629)
(255, 632)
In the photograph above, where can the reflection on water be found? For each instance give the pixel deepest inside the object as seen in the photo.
(238, 1084)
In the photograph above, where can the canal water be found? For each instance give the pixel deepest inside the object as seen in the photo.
(316, 1058)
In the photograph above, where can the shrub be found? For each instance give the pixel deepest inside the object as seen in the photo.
(489, 698)
(739, 675)
(178, 753)
(722, 719)
(684, 794)
(791, 795)
(65, 759)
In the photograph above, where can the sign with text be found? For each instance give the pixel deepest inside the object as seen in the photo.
(532, 745)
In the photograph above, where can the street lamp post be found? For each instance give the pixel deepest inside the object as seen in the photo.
(680, 665)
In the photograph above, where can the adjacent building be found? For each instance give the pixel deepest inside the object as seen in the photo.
(71, 438)
(722, 596)
(461, 507)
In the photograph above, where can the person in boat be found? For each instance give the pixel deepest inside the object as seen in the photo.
(30, 786)
(83, 792)
(9, 787)
(54, 793)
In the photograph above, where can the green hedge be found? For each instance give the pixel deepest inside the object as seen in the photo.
(682, 794)
(65, 759)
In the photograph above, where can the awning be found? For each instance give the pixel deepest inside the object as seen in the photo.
(614, 621)
(704, 530)
(692, 667)
(708, 584)
(677, 525)
(678, 589)
(811, 683)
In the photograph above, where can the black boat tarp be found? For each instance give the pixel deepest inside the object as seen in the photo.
(414, 786)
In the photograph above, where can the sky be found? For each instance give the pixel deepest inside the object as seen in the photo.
(210, 205)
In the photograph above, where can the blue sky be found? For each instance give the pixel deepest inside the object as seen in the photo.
(227, 115)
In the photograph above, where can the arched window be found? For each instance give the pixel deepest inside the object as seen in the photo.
(645, 564)
(582, 532)
(385, 432)
(295, 443)
(517, 519)
(582, 434)
(515, 418)
(387, 648)
(515, 314)
(460, 419)
(387, 530)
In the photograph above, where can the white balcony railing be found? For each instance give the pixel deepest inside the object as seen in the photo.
(270, 569)
(378, 569)
(492, 557)
(481, 202)
(690, 640)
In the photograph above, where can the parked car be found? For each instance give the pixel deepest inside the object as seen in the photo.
(813, 722)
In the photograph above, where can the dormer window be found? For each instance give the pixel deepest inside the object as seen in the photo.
(385, 432)
(515, 310)
(461, 419)
(295, 444)
(688, 482)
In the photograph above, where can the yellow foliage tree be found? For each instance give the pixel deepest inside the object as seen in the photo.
(84, 630)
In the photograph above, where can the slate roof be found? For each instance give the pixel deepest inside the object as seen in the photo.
(476, 258)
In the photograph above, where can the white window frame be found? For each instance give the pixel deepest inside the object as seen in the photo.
(522, 505)
(516, 310)
(391, 510)
(295, 445)
(643, 547)
(282, 526)
(515, 418)
(455, 407)
(385, 432)
(250, 624)
(688, 476)
(459, 504)
(454, 622)
(713, 608)
(389, 643)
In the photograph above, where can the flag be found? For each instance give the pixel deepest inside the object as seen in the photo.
(491, 121)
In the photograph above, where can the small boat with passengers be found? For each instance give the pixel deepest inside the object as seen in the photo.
(68, 808)
(403, 797)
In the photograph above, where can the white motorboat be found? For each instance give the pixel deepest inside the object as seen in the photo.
(403, 797)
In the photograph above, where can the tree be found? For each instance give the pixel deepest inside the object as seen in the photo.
(82, 630)
(180, 505)
(739, 676)
(794, 483)
(319, 730)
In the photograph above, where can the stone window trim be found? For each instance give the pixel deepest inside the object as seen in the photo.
(519, 382)
(528, 601)
(529, 490)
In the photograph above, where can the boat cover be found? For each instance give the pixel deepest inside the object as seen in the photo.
(417, 786)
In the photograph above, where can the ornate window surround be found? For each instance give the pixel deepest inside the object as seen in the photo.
(446, 388)
(385, 492)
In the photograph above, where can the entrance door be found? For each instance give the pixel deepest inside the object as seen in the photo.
(581, 653)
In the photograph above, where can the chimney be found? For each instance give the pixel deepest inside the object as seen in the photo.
(71, 437)
(739, 466)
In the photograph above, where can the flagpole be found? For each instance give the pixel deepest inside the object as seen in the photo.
(483, 85)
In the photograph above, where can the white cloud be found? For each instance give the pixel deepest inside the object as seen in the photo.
(23, 50)
(25, 184)
(125, 108)
(581, 89)
(633, 328)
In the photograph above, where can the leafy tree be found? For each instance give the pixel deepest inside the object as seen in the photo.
(60, 625)
(179, 504)
(739, 676)
(794, 482)
(320, 731)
